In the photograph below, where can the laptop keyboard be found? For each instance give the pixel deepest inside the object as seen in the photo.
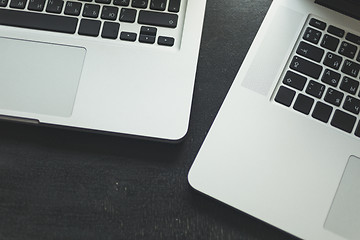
(322, 77)
(95, 18)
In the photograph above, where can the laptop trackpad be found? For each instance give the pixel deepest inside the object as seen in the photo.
(39, 77)
(344, 216)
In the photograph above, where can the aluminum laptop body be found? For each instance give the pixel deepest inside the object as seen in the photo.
(132, 75)
(285, 144)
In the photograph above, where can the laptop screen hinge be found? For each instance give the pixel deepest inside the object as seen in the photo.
(19, 119)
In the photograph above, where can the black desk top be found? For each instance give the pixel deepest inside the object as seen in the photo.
(63, 184)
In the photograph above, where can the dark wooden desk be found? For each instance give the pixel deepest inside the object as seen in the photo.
(63, 184)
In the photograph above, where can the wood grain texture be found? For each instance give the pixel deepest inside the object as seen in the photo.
(64, 184)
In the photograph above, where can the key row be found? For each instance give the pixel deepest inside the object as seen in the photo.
(73, 8)
(319, 110)
(110, 30)
(332, 43)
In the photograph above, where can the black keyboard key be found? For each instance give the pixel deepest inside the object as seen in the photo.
(166, 41)
(357, 131)
(348, 50)
(55, 6)
(332, 60)
(317, 23)
(343, 121)
(158, 19)
(3, 3)
(336, 31)
(306, 67)
(351, 68)
(110, 30)
(334, 97)
(73, 8)
(38, 21)
(315, 89)
(18, 4)
(89, 27)
(127, 15)
(312, 35)
(310, 51)
(36, 5)
(147, 39)
(330, 77)
(103, 1)
(352, 104)
(109, 13)
(124, 3)
(353, 38)
(174, 6)
(330, 42)
(91, 10)
(322, 112)
(151, 31)
(303, 104)
(139, 3)
(159, 5)
(128, 36)
(285, 96)
(349, 85)
(295, 80)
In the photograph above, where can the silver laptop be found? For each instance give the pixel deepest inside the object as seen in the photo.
(122, 66)
(285, 146)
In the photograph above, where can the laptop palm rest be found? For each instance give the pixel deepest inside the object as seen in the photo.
(40, 78)
(343, 218)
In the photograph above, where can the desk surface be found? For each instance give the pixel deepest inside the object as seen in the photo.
(63, 184)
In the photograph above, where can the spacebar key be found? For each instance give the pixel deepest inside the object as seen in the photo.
(38, 21)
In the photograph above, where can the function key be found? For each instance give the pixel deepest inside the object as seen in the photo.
(343, 121)
(122, 2)
(353, 38)
(139, 3)
(89, 27)
(295, 80)
(285, 96)
(317, 23)
(310, 51)
(128, 36)
(306, 67)
(312, 35)
(110, 30)
(174, 6)
(303, 104)
(357, 131)
(166, 41)
(322, 112)
(148, 31)
(3, 3)
(330, 42)
(37, 5)
(158, 5)
(336, 31)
